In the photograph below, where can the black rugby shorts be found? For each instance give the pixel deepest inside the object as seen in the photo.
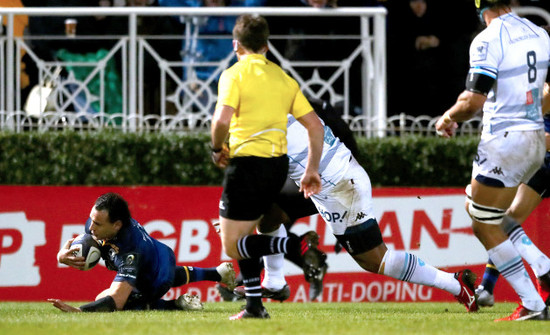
(251, 185)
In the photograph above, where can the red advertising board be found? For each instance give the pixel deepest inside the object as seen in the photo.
(431, 223)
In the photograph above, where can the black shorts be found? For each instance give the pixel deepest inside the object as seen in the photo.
(540, 182)
(361, 238)
(251, 185)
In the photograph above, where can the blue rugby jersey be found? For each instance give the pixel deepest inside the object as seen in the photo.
(145, 263)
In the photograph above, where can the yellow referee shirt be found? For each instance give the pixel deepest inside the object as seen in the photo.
(262, 95)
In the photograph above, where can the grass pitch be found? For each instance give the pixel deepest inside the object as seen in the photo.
(286, 318)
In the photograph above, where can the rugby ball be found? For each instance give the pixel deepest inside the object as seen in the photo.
(88, 248)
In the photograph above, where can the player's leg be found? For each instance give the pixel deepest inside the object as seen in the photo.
(486, 224)
(223, 273)
(498, 170)
(484, 291)
(289, 206)
(364, 243)
(530, 196)
(274, 277)
(251, 185)
(526, 200)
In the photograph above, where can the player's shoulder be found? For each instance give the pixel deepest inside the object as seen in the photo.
(230, 71)
(290, 80)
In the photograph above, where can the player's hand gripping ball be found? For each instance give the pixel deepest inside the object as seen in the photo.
(89, 249)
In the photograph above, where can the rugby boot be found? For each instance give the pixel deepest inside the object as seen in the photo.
(484, 298)
(281, 295)
(227, 273)
(245, 314)
(523, 314)
(467, 296)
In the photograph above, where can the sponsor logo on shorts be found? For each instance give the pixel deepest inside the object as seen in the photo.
(333, 216)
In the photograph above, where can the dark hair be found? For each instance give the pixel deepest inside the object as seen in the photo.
(116, 207)
(251, 31)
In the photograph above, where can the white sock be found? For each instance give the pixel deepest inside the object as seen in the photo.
(538, 261)
(407, 267)
(509, 264)
(274, 276)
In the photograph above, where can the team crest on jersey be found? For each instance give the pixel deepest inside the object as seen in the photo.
(480, 52)
(113, 250)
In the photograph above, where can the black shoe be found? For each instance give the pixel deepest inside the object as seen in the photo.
(280, 295)
(316, 285)
(309, 240)
(313, 258)
(226, 293)
(314, 265)
(245, 314)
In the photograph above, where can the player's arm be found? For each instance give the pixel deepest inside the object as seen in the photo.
(119, 291)
(219, 132)
(468, 103)
(110, 300)
(310, 182)
(66, 256)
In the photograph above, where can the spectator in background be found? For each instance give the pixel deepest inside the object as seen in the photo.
(46, 49)
(49, 49)
(415, 56)
(167, 49)
(207, 50)
(420, 45)
(20, 24)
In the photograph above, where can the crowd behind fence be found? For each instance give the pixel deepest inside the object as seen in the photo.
(111, 88)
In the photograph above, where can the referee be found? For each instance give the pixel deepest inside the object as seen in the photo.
(254, 98)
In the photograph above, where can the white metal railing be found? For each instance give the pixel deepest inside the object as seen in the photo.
(132, 48)
(192, 112)
(536, 11)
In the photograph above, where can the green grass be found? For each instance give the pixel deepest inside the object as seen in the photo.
(286, 318)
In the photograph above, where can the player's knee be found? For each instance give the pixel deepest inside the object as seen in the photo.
(232, 252)
(485, 214)
(509, 224)
(468, 198)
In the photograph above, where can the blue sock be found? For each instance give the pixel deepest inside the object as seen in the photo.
(189, 274)
(200, 274)
(490, 277)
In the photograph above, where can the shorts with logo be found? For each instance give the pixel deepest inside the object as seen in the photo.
(251, 185)
(508, 158)
(347, 208)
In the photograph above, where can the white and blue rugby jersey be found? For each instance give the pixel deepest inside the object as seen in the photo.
(516, 53)
(334, 160)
